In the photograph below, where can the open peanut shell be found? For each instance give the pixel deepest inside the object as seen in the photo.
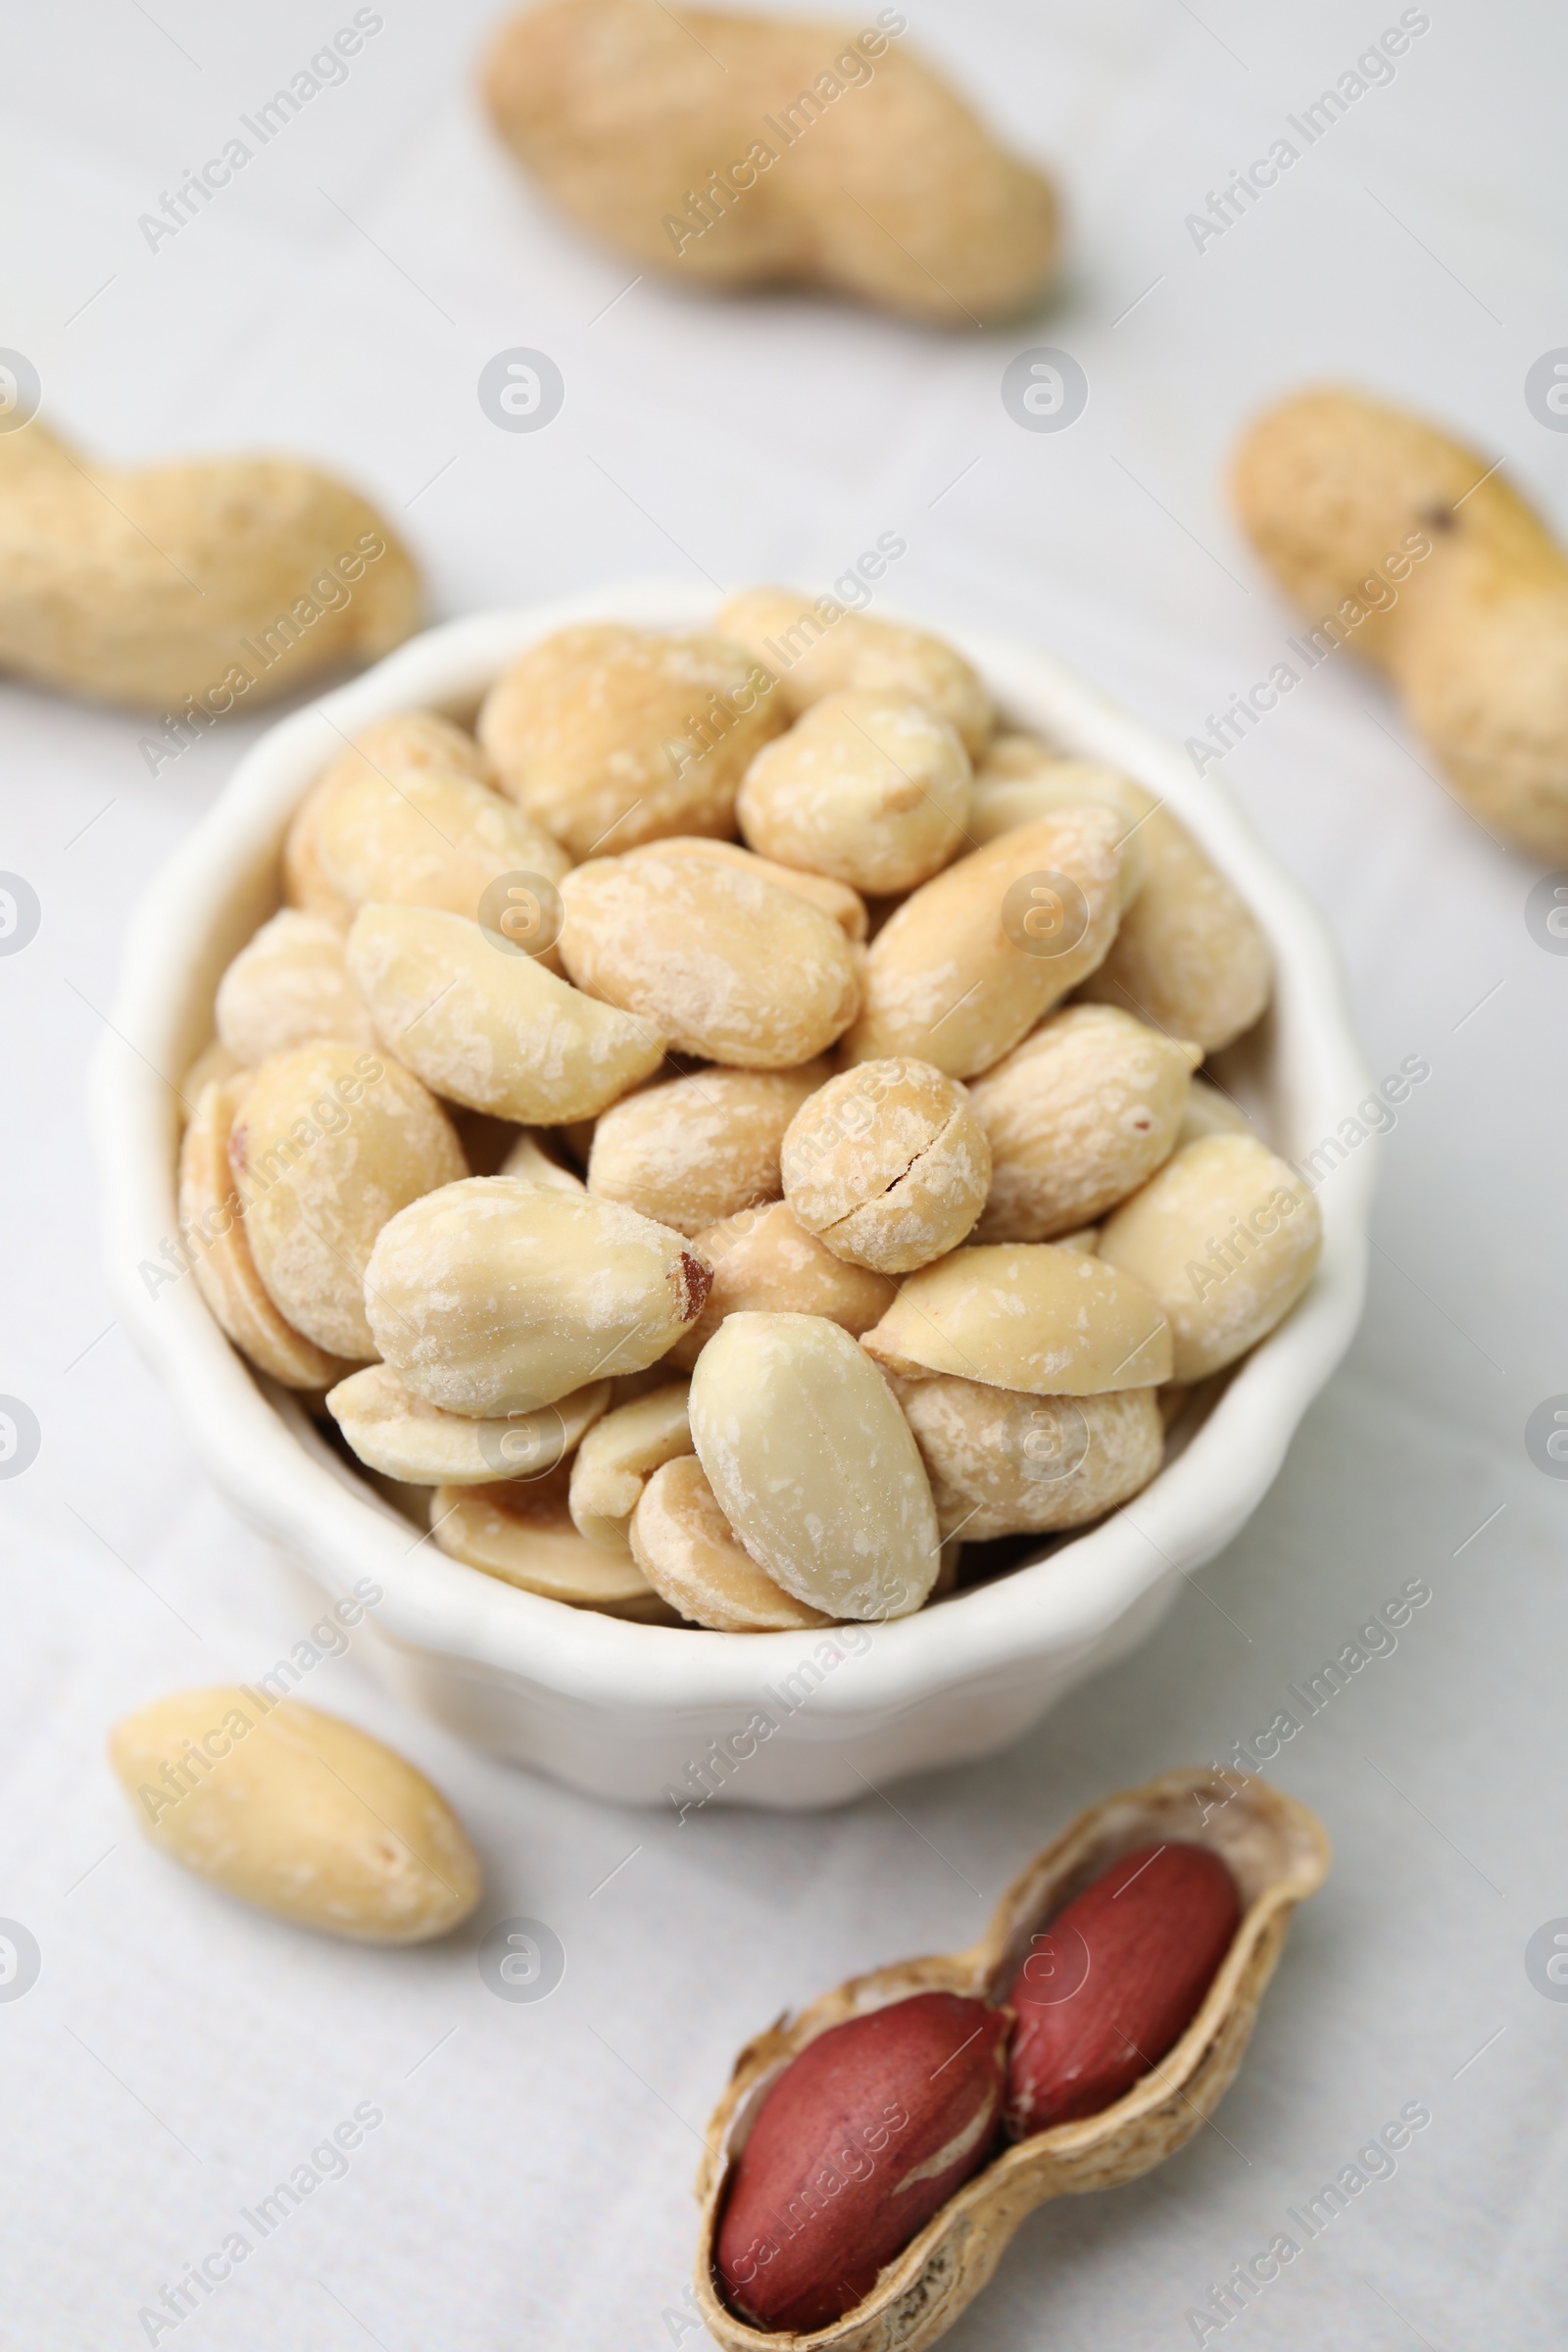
(1277, 1854)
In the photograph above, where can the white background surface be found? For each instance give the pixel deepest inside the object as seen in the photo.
(530, 2184)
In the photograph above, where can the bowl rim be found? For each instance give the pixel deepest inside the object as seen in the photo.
(1058, 1607)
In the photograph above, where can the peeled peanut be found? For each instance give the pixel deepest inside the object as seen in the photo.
(701, 1148)
(1003, 1464)
(974, 959)
(1209, 1112)
(413, 739)
(619, 1455)
(1189, 956)
(214, 1061)
(609, 736)
(869, 788)
(813, 1465)
(297, 1812)
(1226, 1237)
(290, 985)
(394, 1431)
(528, 1158)
(836, 900)
(687, 1550)
(327, 1144)
(212, 1220)
(815, 647)
(764, 1261)
(489, 1028)
(887, 1164)
(1077, 1117)
(218, 581)
(1412, 548)
(497, 1296)
(722, 961)
(1025, 1315)
(425, 837)
(520, 1530)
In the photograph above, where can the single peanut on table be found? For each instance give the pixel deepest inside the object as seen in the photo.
(298, 1812)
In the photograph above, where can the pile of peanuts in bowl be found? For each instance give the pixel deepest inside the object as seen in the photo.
(714, 1169)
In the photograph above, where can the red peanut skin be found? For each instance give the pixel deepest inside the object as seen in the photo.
(826, 2189)
(1152, 1929)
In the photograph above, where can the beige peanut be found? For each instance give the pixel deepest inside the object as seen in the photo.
(1003, 1462)
(813, 1465)
(521, 1532)
(498, 1296)
(424, 837)
(1076, 1117)
(298, 1812)
(970, 962)
(836, 900)
(720, 960)
(1226, 1237)
(741, 150)
(618, 1456)
(327, 1144)
(218, 581)
(868, 788)
(689, 1552)
(817, 646)
(609, 736)
(490, 1028)
(701, 1148)
(288, 985)
(765, 1262)
(413, 739)
(212, 1219)
(393, 1430)
(887, 1164)
(1026, 1315)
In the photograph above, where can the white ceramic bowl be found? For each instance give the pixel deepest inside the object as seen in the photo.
(632, 1712)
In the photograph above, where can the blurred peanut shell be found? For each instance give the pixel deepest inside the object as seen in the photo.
(721, 961)
(1226, 1238)
(1077, 1116)
(609, 736)
(1026, 1315)
(298, 1812)
(687, 1550)
(328, 1143)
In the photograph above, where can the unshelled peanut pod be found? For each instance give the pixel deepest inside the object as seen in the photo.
(297, 1812)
